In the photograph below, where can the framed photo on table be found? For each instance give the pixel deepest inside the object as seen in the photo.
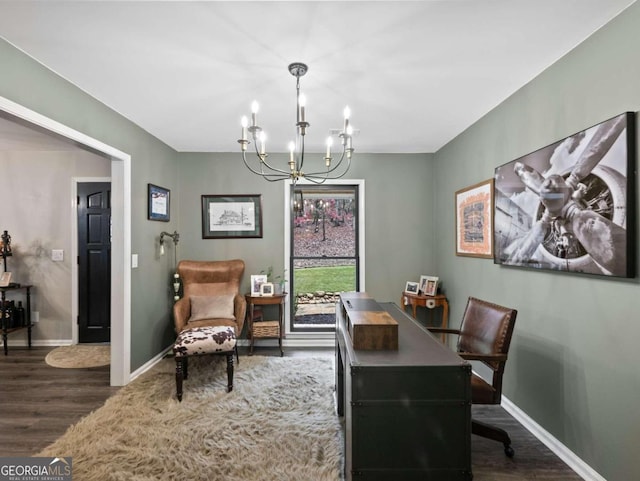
(429, 285)
(158, 203)
(231, 216)
(412, 287)
(266, 289)
(256, 282)
(474, 220)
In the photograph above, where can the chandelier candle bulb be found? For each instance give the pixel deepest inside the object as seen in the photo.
(302, 100)
(347, 114)
(244, 122)
(254, 112)
(329, 142)
(263, 140)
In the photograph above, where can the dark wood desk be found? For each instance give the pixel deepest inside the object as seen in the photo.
(265, 329)
(407, 413)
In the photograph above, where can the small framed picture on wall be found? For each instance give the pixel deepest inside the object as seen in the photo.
(158, 203)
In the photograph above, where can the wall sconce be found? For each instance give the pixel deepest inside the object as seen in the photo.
(175, 237)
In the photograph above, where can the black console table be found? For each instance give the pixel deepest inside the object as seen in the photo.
(6, 328)
(407, 412)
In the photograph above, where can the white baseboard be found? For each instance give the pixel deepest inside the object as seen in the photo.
(149, 364)
(573, 461)
(39, 343)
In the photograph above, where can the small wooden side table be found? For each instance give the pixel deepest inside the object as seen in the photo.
(265, 329)
(430, 302)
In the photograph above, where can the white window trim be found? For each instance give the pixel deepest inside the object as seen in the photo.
(318, 338)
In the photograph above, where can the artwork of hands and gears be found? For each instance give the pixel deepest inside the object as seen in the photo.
(565, 207)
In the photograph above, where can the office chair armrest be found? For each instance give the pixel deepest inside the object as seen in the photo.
(443, 330)
(472, 356)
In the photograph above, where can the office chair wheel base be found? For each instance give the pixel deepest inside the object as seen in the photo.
(508, 450)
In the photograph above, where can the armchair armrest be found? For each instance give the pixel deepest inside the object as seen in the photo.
(443, 330)
(240, 311)
(473, 356)
(181, 314)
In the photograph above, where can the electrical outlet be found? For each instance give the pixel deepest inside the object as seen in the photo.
(57, 255)
(35, 316)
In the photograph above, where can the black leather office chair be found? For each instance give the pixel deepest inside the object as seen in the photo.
(485, 335)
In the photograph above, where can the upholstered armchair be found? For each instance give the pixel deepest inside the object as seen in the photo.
(211, 295)
(485, 336)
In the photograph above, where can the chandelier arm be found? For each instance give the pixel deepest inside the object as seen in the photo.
(244, 158)
(332, 169)
(316, 180)
(283, 174)
(264, 163)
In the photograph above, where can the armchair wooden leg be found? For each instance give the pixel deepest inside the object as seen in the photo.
(179, 378)
(493, 432)
(230, 372)
(185, 367)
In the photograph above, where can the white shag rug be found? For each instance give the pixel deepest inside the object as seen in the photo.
(278, 424)
(79, 356)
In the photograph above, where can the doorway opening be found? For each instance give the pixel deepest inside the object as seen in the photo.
(120, 229)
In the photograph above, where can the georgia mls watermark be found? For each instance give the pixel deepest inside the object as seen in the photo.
(35, 469)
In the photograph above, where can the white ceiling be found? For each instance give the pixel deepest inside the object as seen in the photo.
(414, 73)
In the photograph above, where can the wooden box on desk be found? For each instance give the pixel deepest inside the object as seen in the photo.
(369, 325)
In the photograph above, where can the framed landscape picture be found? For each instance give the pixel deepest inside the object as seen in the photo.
(474, 220)
(569, 206)
(231, 216)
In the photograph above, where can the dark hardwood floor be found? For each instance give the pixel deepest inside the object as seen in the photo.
(38, 403)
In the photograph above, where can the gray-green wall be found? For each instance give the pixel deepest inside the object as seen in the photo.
(574, 359)
(398, 210)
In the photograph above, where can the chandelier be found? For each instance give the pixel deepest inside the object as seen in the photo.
(294, 172)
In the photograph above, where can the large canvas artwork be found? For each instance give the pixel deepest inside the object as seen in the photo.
(569, 206)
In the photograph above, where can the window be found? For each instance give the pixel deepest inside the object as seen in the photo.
(324, 252)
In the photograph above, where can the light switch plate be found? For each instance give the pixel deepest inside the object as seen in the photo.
(134, 261)
(57, 255)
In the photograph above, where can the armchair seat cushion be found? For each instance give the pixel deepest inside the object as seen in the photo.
(205, 340)
(481, 391)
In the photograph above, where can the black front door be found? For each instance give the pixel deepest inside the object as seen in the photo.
(94, 261)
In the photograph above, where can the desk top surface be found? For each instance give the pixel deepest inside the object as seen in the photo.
(416, 345)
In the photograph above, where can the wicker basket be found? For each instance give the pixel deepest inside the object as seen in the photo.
(266, 329)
